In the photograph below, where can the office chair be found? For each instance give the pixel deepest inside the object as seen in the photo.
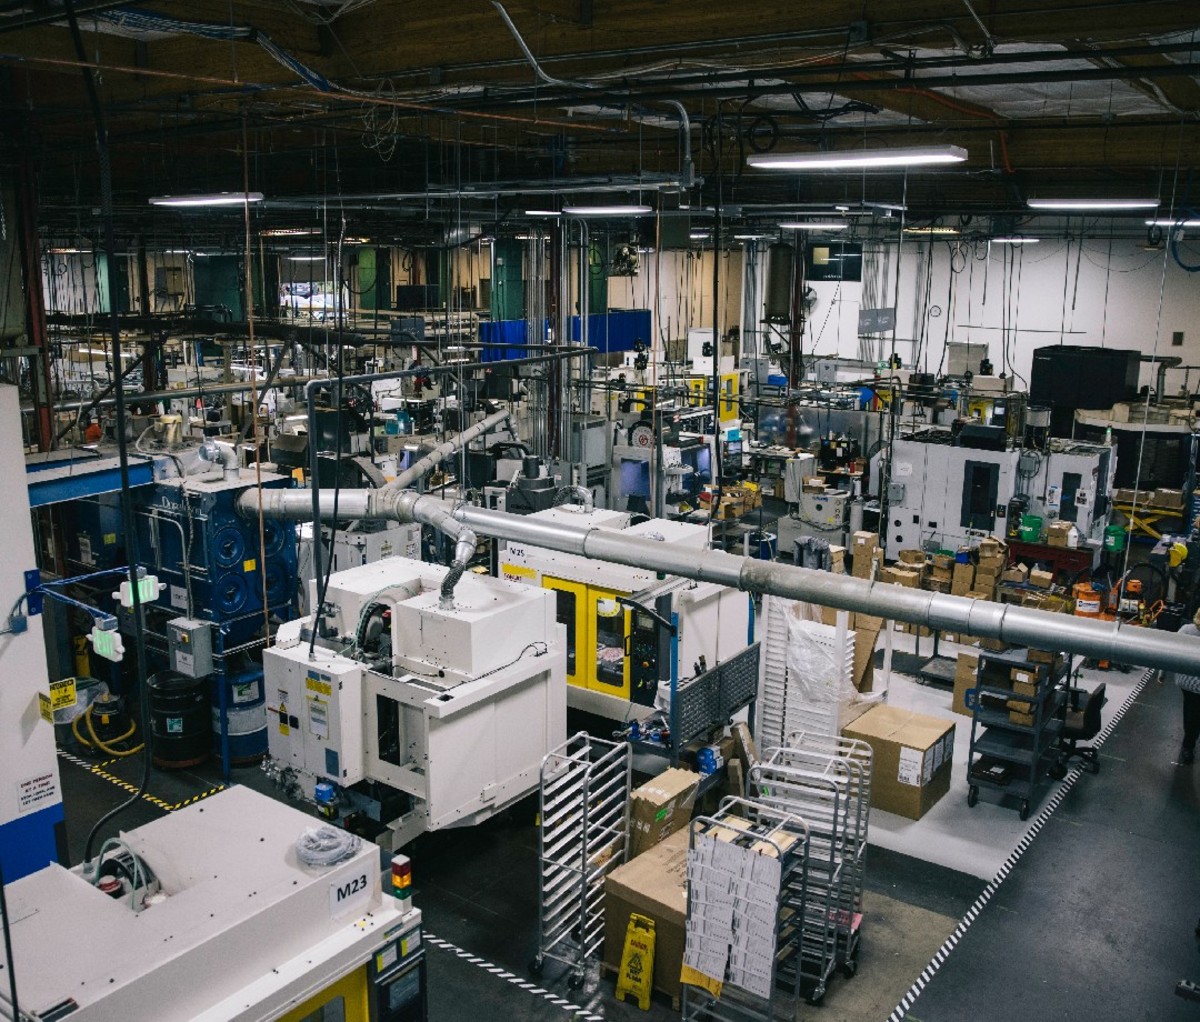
(1081, 724)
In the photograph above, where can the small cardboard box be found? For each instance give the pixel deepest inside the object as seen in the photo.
(1167, 498)
(945, 561)
(1044, 656)
(982, 594)
(991, 563)
(863, 540)
(913, 755)
(942, 573)
(1017, 717)
(961, 589)
(992, 546)
(653, 885)
(1023, 688)
(937, 585)
(964, 678)
(994, 645)
(916, 557)
(896, 575)
(867, 563)
(1023, 675)
(744, 748)
(1125, 496)
(1058, 533)
(1018, 573)
(964, 573)
(1041, 579)
(660, 807)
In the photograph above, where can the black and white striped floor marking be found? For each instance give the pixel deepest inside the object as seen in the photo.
(578, 1013)
(939, 957)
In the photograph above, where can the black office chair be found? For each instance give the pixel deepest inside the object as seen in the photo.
(1081, 724)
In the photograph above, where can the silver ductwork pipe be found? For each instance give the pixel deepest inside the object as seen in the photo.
(427, 464)
(981, 618)
(1021, 626)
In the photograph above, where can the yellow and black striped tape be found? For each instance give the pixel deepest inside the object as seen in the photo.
(99, 771)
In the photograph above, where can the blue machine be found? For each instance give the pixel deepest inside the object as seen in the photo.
(192, 537)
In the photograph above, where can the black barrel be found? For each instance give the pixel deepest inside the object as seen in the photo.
(179, 720)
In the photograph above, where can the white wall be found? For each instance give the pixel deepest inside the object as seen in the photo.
(677, 288)
(1035, 295)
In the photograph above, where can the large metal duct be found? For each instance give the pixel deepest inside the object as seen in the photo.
(981, 618)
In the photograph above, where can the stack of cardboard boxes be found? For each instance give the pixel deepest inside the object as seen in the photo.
(866, 556)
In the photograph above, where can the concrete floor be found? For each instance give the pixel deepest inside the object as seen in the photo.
(1093, 920)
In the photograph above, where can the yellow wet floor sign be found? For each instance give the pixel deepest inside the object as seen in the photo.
(637, 961)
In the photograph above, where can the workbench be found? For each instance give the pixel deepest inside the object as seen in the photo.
(1061, 559)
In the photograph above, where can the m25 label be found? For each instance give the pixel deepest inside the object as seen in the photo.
(349, 893)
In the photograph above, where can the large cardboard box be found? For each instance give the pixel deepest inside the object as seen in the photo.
(654, 885)
(1167, 498)
(913, 755)
(916, 557)
(964, 574)
(964, 678)
(660, 807)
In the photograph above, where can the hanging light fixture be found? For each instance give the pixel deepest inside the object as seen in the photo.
(859, 159)
(211, 199)
(1092, 204)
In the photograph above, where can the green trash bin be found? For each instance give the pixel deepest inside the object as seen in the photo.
(1031, 528)
(1114, 538)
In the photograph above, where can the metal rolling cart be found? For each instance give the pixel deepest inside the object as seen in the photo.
(790, 783)
(852, 761)
(1013, 750)
(582, 837)
(748, 869)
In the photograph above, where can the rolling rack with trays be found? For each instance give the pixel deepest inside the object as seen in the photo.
(747, 885)
(1012, 752)
(825, 780)
(583, 835)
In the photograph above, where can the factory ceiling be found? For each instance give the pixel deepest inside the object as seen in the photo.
(392, 114)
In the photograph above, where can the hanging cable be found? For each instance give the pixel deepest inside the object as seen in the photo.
(110, 247)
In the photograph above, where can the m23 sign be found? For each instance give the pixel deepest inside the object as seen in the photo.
(349, 893)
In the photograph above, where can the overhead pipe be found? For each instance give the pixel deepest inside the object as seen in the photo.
(981, 618)
(687, 170)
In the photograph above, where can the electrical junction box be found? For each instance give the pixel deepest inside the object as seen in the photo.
(189, 646)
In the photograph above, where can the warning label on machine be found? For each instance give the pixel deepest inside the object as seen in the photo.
(36, 792)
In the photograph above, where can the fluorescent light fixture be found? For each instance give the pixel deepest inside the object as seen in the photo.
(212, 199)
(917, 156)
(607, 210)
(70, 251)
(751, 237)
(814, 225)
(700, 235)
(1092, 203)
(932, 230)
(532, 237)
(306, 258)
(1015, 240)
(543, 212)
(1149, 223)
(290, 232)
